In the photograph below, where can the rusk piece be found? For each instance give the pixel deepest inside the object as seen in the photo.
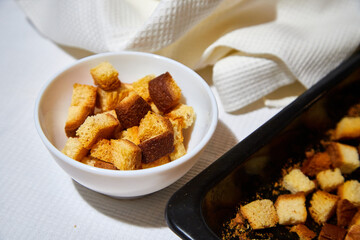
(102, 150)
(83, 95)
(74, 149)
(322, 206)
(331, 232)
(316, 163)
(295, 181)
(95, 127)
(345, 211)
(125, 154)
(260, 214)
(156, 163)
(153, 124)
(157, 147)
(105, 76)
(184, 114)
(131, 110)
(108, 100)
(347, 128)
(76, 116)
(141, 87)
(131, 134)
(291, 208)
(329, 180)
(164, 92)
(350, 190)
(303, 232)
(344, 156)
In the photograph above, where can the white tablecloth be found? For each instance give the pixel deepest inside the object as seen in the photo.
(38, 200)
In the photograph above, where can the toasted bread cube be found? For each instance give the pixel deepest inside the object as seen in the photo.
(88, 160)
(108, 100)
(316, 163)
(178, 131)
(350, 190)
(126, 155)
(83, 95)
(131, 134)
(329, 180)
(76, 117)
(330, 231)
(102, 150)
(260, 214)
(74, 149)
(152, 125)
(164, 92)
(179, 151)
(158, 162)
(303, 232)
(104, 165)
(157, 147)
(353, 233)
(94, 162)
(345, 211)
(141, 87)
(105, 76)
(291, 208)
(295, 181)
(356, 219)
(131, 110)
(101, 125)
(184, 114)
(344, 156)
(323, 205)
(347, 128)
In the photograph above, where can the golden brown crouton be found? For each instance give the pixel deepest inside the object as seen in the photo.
(316, 163)
(178, 131)
(108, 100)
(164, 92)
(101, 125)
(303, 232)
(260, 214)
(350, 190)
(295, 181)
(330, 231)
(105, 76)
(141, 87)
(347, 128)
(102, 150)
(131, 110)
(157, 147)
(291, 208)
(74, 149)
(179, 151)
(130, 134)
(126, 155)
(345, 211)
(83, 95)
(152, 125)
(353, 233)
(330, 179)
(323, 205)
(184, 114)
(344, 156)
(82, 105)
(76, 117)
(156, 163)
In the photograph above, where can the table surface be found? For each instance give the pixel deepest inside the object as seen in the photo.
(38, 200)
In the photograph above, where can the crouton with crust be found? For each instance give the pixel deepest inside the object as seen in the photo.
(105, 76)
(260, 214)
(74, 149)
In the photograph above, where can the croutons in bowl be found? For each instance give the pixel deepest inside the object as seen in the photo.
(119, 134)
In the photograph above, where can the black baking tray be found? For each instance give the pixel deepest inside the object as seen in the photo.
(200, 208)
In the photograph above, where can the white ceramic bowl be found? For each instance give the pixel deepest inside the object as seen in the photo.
(55, 97)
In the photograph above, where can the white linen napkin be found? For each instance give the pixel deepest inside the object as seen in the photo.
(254, 46)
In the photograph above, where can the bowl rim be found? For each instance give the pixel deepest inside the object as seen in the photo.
(128, 173)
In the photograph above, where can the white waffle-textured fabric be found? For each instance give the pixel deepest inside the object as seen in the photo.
(254, 46)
